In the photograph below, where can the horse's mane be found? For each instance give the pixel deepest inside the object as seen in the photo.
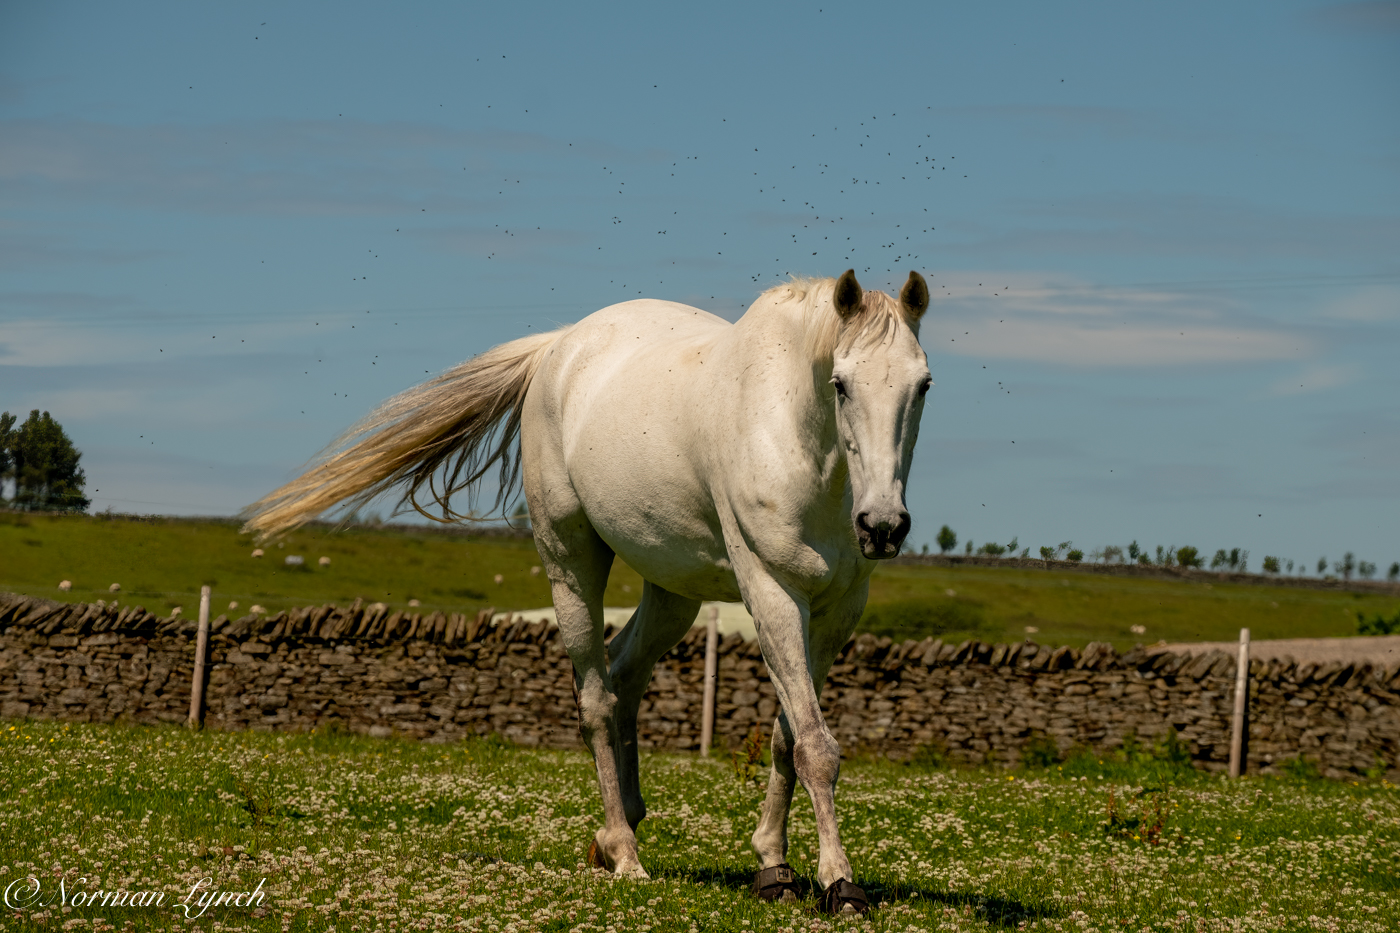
(825, 330)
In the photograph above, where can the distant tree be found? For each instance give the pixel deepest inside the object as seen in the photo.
(1134, 552)
(1393, 573)
(1347, 566)
(1189, 557)
(1047, 553)
(1271, 565)
(1377, 625)
(947, 540)
(520, 518)
(1164, 556)
(1112, 554)
(1063, 546)
(1290, 566)
(1219, 560)
(1239, 560)
(1014, 543)
(992, 549)
(44, 465)
(924, 548)
(1321, 565)
(968, 548)
(1074, 556)
(1366, 570)
(7, 463)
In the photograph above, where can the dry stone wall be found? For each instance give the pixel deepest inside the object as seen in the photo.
(441, 677)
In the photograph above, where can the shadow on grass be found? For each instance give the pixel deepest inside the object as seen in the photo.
(1000, 911)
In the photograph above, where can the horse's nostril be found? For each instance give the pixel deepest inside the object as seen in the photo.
(901, 530)
(863, 523)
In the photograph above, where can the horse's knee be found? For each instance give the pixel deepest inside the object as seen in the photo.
(596, 706)
(817, 759)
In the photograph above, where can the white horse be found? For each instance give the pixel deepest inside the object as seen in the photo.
(764, 460)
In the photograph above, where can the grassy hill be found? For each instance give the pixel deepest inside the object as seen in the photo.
(161, 563)
(1070, 607)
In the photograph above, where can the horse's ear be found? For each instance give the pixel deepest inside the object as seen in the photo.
(848, 294)
(914, 296)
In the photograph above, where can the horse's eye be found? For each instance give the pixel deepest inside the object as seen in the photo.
(840, 386)
(925, 386)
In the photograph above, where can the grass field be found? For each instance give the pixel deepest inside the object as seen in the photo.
(354, 834)
(161, 563)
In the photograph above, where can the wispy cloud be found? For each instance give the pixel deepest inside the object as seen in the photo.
(1368, 305)
(1177, 225)
(1316, 378)
(22, 252)
(39, 343)
(1056, 120)
(278, 168)
(1368, 16)
(1058, 320)
(515, 242)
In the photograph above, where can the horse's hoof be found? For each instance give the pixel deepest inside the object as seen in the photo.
(595, 856)
(842, 897)
(635, 872)
(778, 883)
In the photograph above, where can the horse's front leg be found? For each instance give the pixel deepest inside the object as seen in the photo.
(828, 632)
(781, 620)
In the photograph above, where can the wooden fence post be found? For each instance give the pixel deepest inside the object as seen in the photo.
(1240, 719)
(707, 714)
(201, 647)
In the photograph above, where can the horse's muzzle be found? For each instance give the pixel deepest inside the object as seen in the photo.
(881, 537)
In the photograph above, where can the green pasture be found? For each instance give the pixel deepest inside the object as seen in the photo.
(996, 604)
(347, 833)
(161, 563)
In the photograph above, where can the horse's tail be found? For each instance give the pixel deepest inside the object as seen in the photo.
(462, 423)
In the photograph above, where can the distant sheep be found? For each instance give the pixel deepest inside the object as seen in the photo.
(115, 588)
(414, 604)
(535, 571)
(324, 561)
(233, 605)
(257, 552)
(66, 585)
(294, 560)
(500, 579)
(255, 609)
(176, 611)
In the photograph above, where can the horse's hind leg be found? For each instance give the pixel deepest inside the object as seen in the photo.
(578, 562)
(661, 620)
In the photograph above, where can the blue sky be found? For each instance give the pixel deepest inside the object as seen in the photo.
(1163, 241)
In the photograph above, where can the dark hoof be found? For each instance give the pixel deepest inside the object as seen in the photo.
(778, 883)
(595, 857)
(842, 897)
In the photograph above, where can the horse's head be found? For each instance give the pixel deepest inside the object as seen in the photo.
(879, 376)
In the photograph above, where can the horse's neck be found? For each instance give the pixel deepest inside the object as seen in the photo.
(785, 396)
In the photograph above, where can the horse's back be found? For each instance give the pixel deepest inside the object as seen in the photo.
(615, 422)
(597, 366)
